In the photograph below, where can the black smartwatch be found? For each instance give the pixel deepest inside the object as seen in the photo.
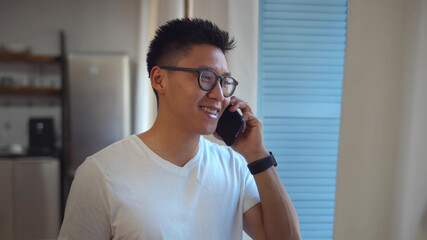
(262, 164)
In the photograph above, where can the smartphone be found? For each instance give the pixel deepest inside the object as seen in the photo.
(229, 126)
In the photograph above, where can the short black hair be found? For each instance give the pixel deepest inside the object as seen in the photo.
(178, 35)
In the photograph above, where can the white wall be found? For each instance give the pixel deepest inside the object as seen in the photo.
(216, 11)
(370, 116)
(243, 24)
(381, 162)
(411, 190)
(90, 25)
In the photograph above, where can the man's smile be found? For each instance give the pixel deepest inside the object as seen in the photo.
(211, 110)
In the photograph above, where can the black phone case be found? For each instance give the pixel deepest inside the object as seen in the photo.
(229, 126)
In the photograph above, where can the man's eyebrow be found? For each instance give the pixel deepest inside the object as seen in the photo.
(226, 74)
(223, 75)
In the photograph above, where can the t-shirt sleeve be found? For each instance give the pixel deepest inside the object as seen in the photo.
(251, 195)
(87, 212)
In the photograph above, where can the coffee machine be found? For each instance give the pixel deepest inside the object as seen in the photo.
(41, 138)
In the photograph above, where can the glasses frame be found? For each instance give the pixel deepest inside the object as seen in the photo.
(200, 71)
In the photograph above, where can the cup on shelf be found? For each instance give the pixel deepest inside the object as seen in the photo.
(16, 148)
(15, 48)
(24, 81)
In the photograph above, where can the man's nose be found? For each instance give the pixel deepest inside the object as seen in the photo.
(217, 92)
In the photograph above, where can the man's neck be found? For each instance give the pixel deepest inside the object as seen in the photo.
(171, 143)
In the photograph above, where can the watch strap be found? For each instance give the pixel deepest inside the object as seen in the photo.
(262, 164)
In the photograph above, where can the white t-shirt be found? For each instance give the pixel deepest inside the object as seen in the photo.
(126, 191)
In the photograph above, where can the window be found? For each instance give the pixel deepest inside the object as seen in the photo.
(301, 63)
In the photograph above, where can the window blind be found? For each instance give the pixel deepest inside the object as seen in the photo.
(301, 62)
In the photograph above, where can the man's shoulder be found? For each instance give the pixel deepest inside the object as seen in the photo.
(117, 148)
(221, 151)
(114, 153)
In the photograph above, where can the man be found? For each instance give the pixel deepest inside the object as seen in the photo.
(171, 183)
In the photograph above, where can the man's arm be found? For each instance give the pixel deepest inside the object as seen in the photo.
(275, 216)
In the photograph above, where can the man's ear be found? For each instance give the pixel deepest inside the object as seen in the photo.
(157, 77)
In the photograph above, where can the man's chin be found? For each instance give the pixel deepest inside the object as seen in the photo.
(208, 131)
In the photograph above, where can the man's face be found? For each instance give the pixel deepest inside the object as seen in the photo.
(188, 106)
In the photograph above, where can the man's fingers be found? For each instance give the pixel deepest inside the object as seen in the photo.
(239, 104)
(250, 120)
(246, 118)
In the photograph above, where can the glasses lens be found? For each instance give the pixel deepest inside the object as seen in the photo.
(207, 80)
(228, 86)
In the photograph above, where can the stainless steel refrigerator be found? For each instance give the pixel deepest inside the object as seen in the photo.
(99, 103)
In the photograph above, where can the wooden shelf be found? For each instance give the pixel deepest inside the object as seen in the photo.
(30, 91)
(29, 58)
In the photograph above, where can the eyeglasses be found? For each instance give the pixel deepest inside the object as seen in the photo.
(208, 78)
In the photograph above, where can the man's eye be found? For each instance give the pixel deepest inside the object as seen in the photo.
(228, 82)
(207, 78)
